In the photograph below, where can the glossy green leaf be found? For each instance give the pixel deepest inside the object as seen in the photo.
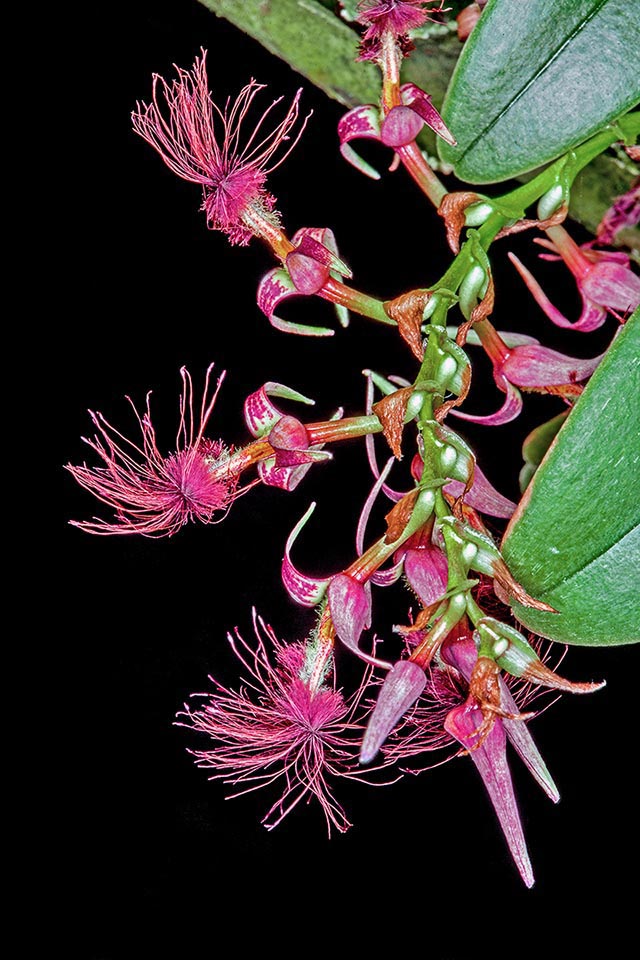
(574, 540)
(535, 79)
(536, 445)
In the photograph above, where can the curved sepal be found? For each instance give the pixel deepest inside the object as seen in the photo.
(361, 122)
(305, 590)
(260, 414)
(275, 287)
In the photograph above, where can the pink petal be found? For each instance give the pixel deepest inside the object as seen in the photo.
(427, 571)
(420, 103)
(401, 688)
(369, 502)
(283, 476)
(307, 591)
(612, 285)
(361, 122)
(483, 496)
(350, 606)
(400, 127)
(261, 414)
(509, 410)
(592, 316)
(537, 366)
(307, 274)
(385, 578)
(524, 745)
(276, 286)
(320, 244)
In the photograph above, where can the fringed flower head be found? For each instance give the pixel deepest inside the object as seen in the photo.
(285, 725)
(206, 145)
(394, 17)
(152, 494)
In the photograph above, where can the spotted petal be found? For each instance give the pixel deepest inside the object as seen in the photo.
(361, 122)
(275, 287)
(305, 590)
(260, 414)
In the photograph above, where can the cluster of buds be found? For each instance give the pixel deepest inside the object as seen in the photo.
(457, 678)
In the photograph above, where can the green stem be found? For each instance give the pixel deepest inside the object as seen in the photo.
(329, 431)
(354, 300)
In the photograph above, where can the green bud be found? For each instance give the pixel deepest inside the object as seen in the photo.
(477, 213)
(505, 645)
(473, 288)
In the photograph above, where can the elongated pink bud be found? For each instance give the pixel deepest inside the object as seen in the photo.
(490, 759)
(401, 688)
(350, 607)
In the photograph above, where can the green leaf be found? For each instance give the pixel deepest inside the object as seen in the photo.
(537, 78)
(574, 541)
(536, 445)
(312, 39)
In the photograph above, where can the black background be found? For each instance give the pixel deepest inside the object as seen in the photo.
(162, 864)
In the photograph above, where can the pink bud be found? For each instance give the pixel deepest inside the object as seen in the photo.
(401, 688)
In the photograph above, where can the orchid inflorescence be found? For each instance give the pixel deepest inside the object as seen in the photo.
(466, 674)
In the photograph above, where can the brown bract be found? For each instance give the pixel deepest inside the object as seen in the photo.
(441, 412)
(407, 311)
(480, 312)
(513, 590)
(451, 209)
(390, 412)
(399, 516)
(556, 218)
(484, 688)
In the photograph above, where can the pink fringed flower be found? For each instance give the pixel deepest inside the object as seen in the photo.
(284, 726)
(206, 145)
(604, 278)
(152, 494)
(395, 17)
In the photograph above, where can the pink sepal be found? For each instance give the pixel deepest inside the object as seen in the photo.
(350, 606)
(536, 366)
(307, 591)
(361, 122)
(400, 127)
(275, 287)
(401, 688)
(483, 496)
(427, 570)
(260, 414)
(490, 759)
(420, 102)
(462, 655)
